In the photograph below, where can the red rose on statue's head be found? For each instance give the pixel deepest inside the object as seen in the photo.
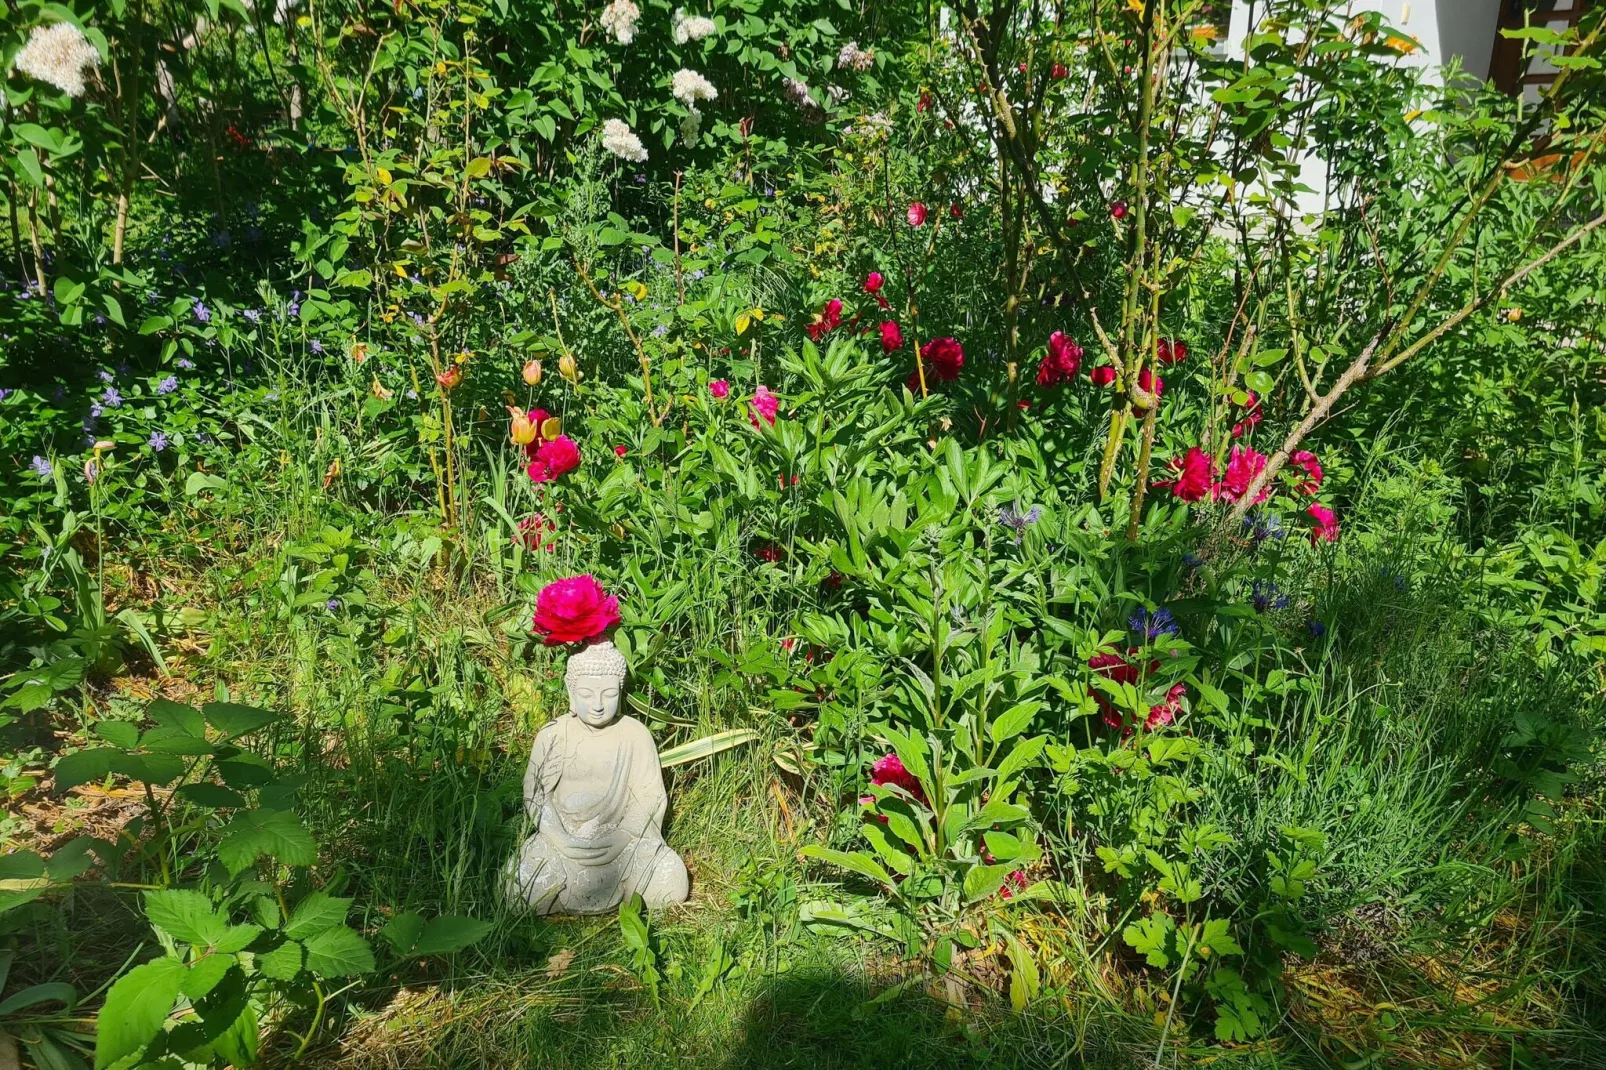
(554, 458)
(573, 610)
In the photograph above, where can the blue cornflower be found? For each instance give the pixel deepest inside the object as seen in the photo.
(1264, 595)
(157, 441)
(41, 467)
(201, 313)
(168, 385)
(111, 398)
(1263, 525)
(1153, 625)
(1018, 521)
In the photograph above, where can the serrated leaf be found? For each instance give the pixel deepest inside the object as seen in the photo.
(235, 719)
(339, 953)
(177, 716)
(82, 767)
(282, 963)
(1149, 936)
(135, 1009)
(278, 834)
(185, 915)
(204, 975)
(122, 734)
(402, 931)
(317, 912)
(449, 933)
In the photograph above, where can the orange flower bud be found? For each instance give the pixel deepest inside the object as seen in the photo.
(532, 373)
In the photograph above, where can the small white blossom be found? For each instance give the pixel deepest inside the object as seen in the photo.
(837, 93)
(798, 93)
(689, 126)
(852, 57)
(690, 27)
(58, 54)
(282, 10)
(689, 87)
(619, 139)
(619, 19)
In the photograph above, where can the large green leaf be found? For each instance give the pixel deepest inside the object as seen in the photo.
(856, 861)
(276, 833)
(135, 1009)
(81, 767)
(339, 952)
(315, 913)
(449, 933)
(234, 719)
(185, 915)
(177, 716)
(282, 963)
(706, 746)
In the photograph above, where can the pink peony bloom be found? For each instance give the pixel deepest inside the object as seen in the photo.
(1166, 712)
(1326, 528)
(554, 458)
(828, 319)
(945, 356)
(720, 389)
(1251, 416)
(917, 214)
(1061, 362)
(574, 609)
(873, 282)
(1243, 466)
(1016, 881)
(764, 404)
(1103, 375)
(890, 770)
(956, 210)
(620, 450)
(891, 337)
(1195, 473)
(536, 533)
(1306, 460)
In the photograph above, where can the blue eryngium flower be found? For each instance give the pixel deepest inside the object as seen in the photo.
(1153, 625)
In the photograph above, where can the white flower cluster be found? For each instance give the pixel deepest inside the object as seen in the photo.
(798, 93)
(690, 27)
(619, 139)
(852, 57)
(689, 87)
(58, 54)
(619, 19)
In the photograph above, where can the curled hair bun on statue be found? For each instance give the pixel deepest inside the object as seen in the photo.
(599, 660)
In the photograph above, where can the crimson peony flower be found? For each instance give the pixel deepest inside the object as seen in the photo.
(720, 389)
(891, 337)
(1251, 417)
(1118, 210)
(956, 210)
(1307, 461)
(573, 610)
(764, 404)
(890, 770)
(1061, 362)
(1113, 666)
(828, 319)
(1059, 71)
(1243, 466)
(1195, 473)
(1326, 529)
(1016, 881)
(873, 282)
(1166, 712)
(1103, 375)
(620, 450)
(945, 356)
(923, 103)
(1170, 351)
(769, 554)
(917, 214)
(554, 458)
(537, 533)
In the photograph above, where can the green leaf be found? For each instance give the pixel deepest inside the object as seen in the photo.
(706, 746)
(1013, 721)
(282, 963)
(339, 952)
(1024, 982)
(82, 767)
(174, 741)
(983, 881)
(149, 768)
(118, 733)
(211, 796)
(199, 481)
(235, 719)
(237, 938)
(177, 717)
(449, 933)
(154, 324)
(204, 975)
(51, 992)
(22, 879)
(135, 1009)
(856, 861)
(317, 912)
(185, 915)
(1217, 938)
(1149, 936)
(402, 931)
(276, 833)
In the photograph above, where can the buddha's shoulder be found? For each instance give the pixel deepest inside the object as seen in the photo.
(633, 728)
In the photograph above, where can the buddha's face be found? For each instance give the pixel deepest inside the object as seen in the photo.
(595, 700)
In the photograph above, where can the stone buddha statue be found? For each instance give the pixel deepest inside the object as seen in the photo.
(595, 793)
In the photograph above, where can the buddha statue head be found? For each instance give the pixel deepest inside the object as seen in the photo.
(596, 680)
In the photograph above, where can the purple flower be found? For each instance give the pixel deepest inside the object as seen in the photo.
(4, 392)
(1317, 628)
(105, 376)
(157, 441)
(315, 345)
(1264, 595)
(41, 467)
(1013, 518)
(185, 363)
(252, 315)
(1192, 561)
(111, 398)
(333, 605)
(1153, 625)
(660, 330)
(168, 385)
(201, 313)
(95, 410)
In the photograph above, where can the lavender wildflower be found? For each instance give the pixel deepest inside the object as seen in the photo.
(333, 605)
(1010, 517)
(201, 313)
(168, 385)
(111, 398)
(157, 441)
(41, 467)
(104, 375)
(185, 363)
(252, 315)
(315, 345)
